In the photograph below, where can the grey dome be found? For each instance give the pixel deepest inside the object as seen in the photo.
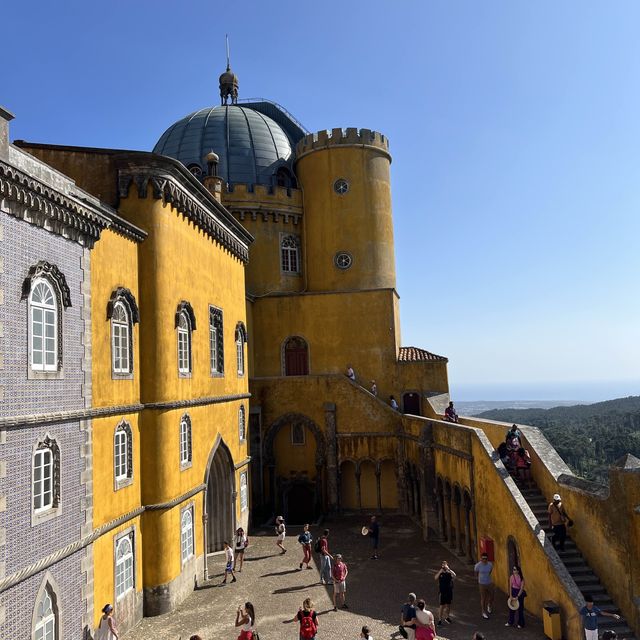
(251, 145)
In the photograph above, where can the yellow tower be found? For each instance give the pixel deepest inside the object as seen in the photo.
(347, 208)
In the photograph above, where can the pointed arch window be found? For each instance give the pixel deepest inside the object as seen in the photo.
(186, 534)
(124, 577)
(123, 455)
(216, 341)
(43, 318)
(185, 324)
(185, 442)
(46, 616)
(244, 493)
(242, 423)
(290, 253)
(241, 339)
(123, 312)
(46, 477)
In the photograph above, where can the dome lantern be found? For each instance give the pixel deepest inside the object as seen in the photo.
(228, 83)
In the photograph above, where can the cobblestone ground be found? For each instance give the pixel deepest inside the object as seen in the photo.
(376, 590)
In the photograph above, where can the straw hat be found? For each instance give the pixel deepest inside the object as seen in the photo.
(513, 604)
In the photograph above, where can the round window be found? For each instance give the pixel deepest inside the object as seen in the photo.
(341, 186)
(343, 260)
(196, 170)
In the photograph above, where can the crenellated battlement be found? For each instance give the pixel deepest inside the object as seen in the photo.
(345, 137)
(286, 197)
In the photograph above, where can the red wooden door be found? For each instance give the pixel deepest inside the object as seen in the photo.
(296, 358)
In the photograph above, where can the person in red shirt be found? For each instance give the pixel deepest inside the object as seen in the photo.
(339, 573)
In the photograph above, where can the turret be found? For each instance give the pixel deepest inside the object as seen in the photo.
(347, 208)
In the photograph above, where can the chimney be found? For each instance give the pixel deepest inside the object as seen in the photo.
(5, 118)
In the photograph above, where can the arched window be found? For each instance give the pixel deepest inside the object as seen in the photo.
(123, 454)
(46, 476)
(290, 254)
(186, 534)
(43, 314)
(185, 324)
(244, 494)
(46, 624)
(120, 339)
(124, 565)
(216, 341)
(185, 441)
(241, 338)
(242, 432)
(296, 357)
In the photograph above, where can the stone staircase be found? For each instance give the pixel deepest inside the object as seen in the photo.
(577, 566)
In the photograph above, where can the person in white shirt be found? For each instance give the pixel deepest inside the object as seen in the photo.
(228, 552)
(281, 532)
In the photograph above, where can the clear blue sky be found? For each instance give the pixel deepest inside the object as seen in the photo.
(514, 126)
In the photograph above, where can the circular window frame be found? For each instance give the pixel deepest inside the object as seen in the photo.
(337, 263)
(336, 188)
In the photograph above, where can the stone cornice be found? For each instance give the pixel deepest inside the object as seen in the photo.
(170, 182)
(103, 412)
(45, 206)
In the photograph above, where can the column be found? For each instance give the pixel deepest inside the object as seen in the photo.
(330, 428)
(460, 551)
(447, 512)
(467, 528)
(378, 489)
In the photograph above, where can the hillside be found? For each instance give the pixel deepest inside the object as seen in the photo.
(588, 437)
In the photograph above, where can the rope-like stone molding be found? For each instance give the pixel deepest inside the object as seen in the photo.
(242, 463)
(104, 412)
(78, 545)
(176, 501)
(452, 452)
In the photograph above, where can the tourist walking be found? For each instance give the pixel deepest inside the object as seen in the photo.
(305, 540)
(374, 534)
(339, 573)
(307, 619)
(445, 578)
(517, 595)
(240, 543)
(107, 629)
(393, 403)
(228, 552)
(558, 521)
(374, 388)
(590, 615)
(514, 432)
(407, 615)
(246, 618)
(483, 570)
(326, 558)
(425, 627)
(281, 534)
(365, 633)
(351, 374)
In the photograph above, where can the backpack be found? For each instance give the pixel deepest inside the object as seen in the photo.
(316, 547)
(308, 627)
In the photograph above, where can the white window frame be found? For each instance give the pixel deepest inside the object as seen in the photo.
(46, 626)
(38, 489)
(290, 254)
(186, 534)
(120, 454)
(47, 311)
(240, 355)
(184, 344)
(120, 340)
(244, 491)
(242, 423)
(185, 441)
(124, 567)
(213, 347)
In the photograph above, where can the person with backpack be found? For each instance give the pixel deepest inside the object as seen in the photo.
(305, 540)
(281, 533)
(322, 547)
(308, 620)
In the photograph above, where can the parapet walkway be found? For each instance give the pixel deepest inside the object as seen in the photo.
(376, 590)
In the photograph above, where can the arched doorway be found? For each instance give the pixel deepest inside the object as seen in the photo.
(513, 554)
(411, 403)
(348, 485)
(220, 496)
(296, 357)
(299, 502)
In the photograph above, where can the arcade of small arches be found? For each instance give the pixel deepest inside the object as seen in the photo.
(455, 511)
(368, 484)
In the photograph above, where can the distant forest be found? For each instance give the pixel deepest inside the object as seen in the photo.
(589, 438)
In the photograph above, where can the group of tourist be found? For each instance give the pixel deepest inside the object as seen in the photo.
(514, 456)
(373, 387)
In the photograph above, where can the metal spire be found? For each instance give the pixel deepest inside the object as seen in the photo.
(228, 56)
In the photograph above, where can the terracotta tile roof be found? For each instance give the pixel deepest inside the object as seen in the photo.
(413, 354)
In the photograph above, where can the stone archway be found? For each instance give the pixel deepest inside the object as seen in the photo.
(220, 496)
(279, 487)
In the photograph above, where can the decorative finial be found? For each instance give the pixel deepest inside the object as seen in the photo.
(228, 82)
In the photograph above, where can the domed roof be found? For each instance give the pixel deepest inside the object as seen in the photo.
(251, 145)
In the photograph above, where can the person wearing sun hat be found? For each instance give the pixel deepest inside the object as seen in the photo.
(516, 597)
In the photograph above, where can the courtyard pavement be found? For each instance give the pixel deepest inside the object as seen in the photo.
(376, 590)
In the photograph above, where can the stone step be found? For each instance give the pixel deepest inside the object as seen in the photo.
(581, 569)
(587, 579)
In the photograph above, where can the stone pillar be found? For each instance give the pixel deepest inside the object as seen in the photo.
(467, 529)
(440, 514)
(378, 488)
(424, 506)
(330, 427)
(447, 515)
(5, 118)
(402, 480)
(358, 491)
(416, 496)
(459, 549)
